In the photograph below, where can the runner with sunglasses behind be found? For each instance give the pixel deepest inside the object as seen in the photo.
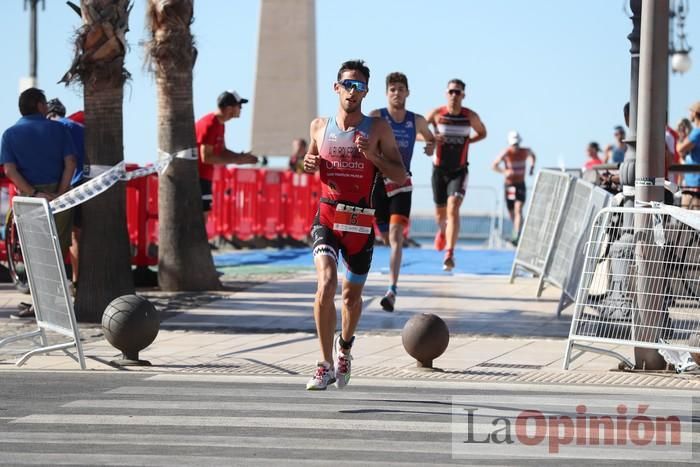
(453, 125)
(350, 150)
(393, 199)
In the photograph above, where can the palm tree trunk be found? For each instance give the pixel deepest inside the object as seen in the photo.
(105, 259)
(184, 256)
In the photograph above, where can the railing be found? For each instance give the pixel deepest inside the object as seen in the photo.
(485, 224)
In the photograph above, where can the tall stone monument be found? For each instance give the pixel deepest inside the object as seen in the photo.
(285, 85)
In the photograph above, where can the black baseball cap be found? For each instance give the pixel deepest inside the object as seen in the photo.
(229, 98)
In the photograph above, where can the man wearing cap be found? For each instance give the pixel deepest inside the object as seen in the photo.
(210, 131)
(689, 148)
(512, 163)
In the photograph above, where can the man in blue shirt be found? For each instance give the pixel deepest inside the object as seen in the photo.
(38, 156)
(689, 149)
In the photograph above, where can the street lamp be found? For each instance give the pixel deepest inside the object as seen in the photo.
(680, 56)
(31, 80)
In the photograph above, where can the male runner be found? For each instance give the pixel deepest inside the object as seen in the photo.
(512, 163)
(394, 202)
(453, 125)
(349, 149)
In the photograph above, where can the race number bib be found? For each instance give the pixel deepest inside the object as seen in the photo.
(511, 193)
(393, 188)
(353, 219)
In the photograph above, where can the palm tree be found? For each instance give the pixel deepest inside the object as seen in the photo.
(100, 46)
(184, 256)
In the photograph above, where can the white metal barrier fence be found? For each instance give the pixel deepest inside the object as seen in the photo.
(566, 259)
(640, 282)
(548, 201)
(46, 274)
(552, 245)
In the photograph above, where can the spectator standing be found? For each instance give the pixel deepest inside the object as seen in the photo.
(38, 156)
(593, 152)
(210, 131)
(615, 153)
(296, 161)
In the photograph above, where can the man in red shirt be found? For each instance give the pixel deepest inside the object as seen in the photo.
(211, 145)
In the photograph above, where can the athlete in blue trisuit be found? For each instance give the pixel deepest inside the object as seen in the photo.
(393, 200)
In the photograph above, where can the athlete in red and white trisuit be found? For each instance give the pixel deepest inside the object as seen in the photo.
(453, 126)
(349, 149)
(512, 163)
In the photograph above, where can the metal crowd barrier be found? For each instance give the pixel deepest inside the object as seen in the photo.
(47, 280)
(640, 286)
(565, 260)
(543, 216)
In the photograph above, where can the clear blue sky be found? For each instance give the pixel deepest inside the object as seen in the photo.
(557, 71)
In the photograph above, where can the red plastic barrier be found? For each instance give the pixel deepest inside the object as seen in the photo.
(246, 203)
(151, 238)
(142, 218)
(270, 215)
(218, 221)
(300, 204)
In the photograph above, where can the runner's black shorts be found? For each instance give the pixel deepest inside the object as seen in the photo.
(448, 183)
(391, 210)
(514, 192)
(357, 248)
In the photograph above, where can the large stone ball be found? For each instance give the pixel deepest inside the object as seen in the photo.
(425, 338)
(130, 323)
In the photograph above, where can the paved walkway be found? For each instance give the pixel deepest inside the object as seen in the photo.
(498, 330)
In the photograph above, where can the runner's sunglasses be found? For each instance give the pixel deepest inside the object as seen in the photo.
(350, 84)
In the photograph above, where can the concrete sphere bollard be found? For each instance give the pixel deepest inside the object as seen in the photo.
(130, 323)
(425, 338)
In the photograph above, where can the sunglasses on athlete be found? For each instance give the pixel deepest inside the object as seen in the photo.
(454, 92)
(350, 84)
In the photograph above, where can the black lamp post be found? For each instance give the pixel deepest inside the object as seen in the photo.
(31, 80)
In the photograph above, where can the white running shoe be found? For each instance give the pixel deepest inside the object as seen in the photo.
(343, 365)
(323, 377)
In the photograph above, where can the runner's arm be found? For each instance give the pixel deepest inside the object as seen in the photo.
(383, 153)
(312, 159)
(496, 164)
(533, 158)
(423, 133)
(375, 113)
(430, 120)
(478, 126)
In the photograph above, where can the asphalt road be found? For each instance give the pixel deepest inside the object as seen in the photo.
(91, 418)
